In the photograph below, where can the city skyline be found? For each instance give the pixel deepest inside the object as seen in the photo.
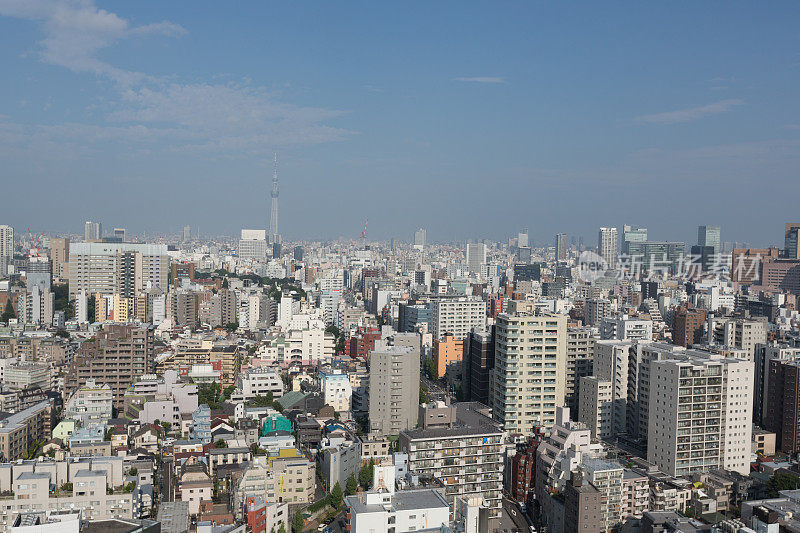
(553, 103)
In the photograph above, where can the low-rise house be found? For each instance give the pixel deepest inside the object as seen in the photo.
(194, 486)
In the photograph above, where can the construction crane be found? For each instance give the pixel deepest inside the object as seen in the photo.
(35, 245)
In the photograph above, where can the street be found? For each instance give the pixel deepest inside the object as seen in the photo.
(165, 474)
(512, 518)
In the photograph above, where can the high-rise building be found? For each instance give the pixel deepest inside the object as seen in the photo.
(580, 362)
(273, 211)
(709, 236)
(790, 240)
(701, 408)
(607, 245)
(687, 326)
(632, 234)
(530, 369)
(420, 238)
(478, 364)
(298, 253)
(783, 404)
(253, 245)
(764, 354)
(522, 239)
(737, 333)
(394, 384)
(6, 242)
(655, 256)
(96, 267)
(457, 316)
(37, 274)
(120, 235)
(583, 506)
(117, 356)
(59, 253)
(476, 257)
(187, 233)
(561, 246)
(92, 231)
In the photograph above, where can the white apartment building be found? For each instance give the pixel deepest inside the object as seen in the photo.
(595, 406)
(91, 404)
(336, 389)
(258, 382)
(457, 316)
(624, 328)
(700, 414)
(606, 477)
(96, 267)
(737, 333)
(530, 370)
(385, 509)
(253, 245)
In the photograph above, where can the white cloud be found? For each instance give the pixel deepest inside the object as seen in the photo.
(690, 114)
(229, 118)
(481, 79)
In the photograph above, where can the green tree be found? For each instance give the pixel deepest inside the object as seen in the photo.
(91, 301)
(282, 529)
(423, 394)
(64, 334)
(225, 283)
(782, 480)
(297, 522)
(365, 474)
(337, 496)
(8, 313)
(220, 444)
(230, 327)
(133, 471)
(352, 485)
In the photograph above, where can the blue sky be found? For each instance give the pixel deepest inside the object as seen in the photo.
(470, 119)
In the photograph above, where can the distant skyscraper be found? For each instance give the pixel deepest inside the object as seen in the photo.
(6, 249)
(792, 250)
(522, 238)
(253, 245)
(420, 237)
(631, 234)
(121, 234)
(298, 253)
(273, 213)
(187, 233)
(607, 245)
(92, 231)
(561, 246)
(476, 257)
(709, 236)
(59, 253)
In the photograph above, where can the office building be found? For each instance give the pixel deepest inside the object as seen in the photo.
(687, 326)
(298, 253)
(92, 231)
(527, 272)
(116, 357)
(394, 388)
(764, 354)
(530, 369)
(447, 353)
(657, 256)
(253, 245)
(187, 233)
(523, 240)
(607, 245)
(478, 364)
(783, 404)
(709, 236)
(6, 248)
(420, 238)
(700, 414)
(561, 246)
(120, 235)
(457, 316)
(632, 234)
(791, 249)
(59, 253)
(583, 506)
(106, 268)
(476, 257)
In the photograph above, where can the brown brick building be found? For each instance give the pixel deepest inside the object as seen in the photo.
(687, 326)
(115, 356)
(783, 404)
